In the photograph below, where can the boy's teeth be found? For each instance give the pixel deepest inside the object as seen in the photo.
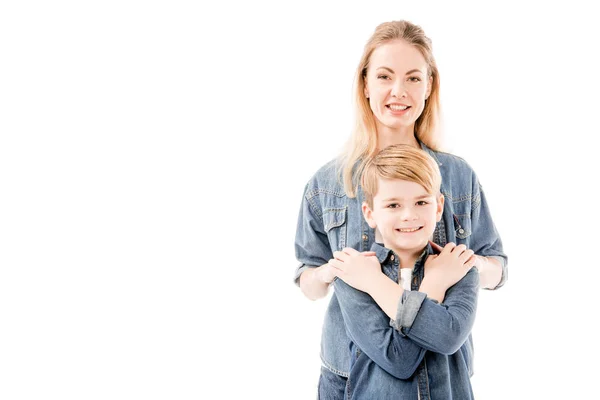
(408, 229)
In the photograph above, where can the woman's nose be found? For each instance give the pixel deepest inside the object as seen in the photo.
(398, 90)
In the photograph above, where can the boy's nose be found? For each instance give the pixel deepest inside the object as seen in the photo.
(408, 214)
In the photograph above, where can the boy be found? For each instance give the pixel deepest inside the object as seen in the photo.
(425, 350)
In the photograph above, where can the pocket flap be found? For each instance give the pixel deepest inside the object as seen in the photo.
(333, 218)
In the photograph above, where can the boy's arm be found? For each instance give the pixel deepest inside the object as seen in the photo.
(369, 328)
(441, 328)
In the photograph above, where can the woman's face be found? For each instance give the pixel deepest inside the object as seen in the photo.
(397, 84)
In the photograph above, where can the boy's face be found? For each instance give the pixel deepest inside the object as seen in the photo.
(404, 213)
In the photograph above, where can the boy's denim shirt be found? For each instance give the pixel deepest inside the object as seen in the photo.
(329, 221)
(426, 348)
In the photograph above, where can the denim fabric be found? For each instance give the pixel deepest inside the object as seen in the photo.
(387, 356)
(331, 387)
(329, 221)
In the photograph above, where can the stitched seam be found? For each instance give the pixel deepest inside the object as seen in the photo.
(337, 222)
(315, 192)
(460, 198)
(314, 208)
(335, 371)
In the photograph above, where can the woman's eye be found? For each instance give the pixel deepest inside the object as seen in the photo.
(382, 76)
(414, 79)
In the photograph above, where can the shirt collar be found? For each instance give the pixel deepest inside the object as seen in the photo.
(383, 254)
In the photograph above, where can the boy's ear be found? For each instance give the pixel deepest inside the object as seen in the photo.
(440, 208)
(368, 214)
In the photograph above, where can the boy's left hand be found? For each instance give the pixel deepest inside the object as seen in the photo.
(359, 270)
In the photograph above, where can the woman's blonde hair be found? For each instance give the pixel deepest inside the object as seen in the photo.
(401, 161)
(363, 141)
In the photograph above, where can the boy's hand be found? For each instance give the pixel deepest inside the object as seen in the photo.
(436, 247)
(450, 266)
(359, 270)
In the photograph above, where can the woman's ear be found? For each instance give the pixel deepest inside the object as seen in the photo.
(368, 214)
(430, 82)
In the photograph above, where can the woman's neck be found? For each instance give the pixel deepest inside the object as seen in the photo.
(386, 137)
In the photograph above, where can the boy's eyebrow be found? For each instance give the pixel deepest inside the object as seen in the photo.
(425, 196)
(408, 73)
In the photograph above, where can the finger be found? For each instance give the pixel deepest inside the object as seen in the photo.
(436, 247)
(340, 255)
(350, 251)
(465, 255)
(471, 262)
(336, 264)
(461, 248)
(368, 253)
(448, 247)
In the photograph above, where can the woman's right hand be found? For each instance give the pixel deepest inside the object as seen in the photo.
(445, 269)
(325, 273)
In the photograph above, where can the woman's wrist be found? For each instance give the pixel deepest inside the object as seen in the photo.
(490, 271)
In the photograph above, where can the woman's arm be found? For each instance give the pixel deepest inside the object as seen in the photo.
(314, 282)
(491, 272)
(312, 250)
(485, 242)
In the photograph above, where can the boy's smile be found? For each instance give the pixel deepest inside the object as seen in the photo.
(405, 214)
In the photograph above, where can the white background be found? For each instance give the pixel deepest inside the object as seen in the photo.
(152, 161)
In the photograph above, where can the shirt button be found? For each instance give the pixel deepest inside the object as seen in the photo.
(392, 257)
(365, 238)
(461, 230)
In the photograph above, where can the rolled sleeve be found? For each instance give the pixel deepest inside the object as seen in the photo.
(485, 239)
(408, 307)
(301, 268)
(504, 277)
(311, 244)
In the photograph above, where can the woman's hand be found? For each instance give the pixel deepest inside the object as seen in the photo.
(359, 270)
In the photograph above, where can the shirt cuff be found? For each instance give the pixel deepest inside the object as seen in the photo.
(504, 276)
(301, 268)
(408, 308)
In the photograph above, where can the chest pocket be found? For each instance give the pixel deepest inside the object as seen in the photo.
(462, 227)
(334, 223)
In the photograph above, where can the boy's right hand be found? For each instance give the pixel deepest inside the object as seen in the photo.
(451, 265)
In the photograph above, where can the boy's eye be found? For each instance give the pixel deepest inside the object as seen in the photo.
(422, 203)
(393, 205)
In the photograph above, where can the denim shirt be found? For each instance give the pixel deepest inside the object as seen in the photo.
(426, 348)
(329, 221)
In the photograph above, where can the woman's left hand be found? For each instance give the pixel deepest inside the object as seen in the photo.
(359, 270)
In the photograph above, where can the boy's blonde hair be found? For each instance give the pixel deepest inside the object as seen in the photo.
(363, 141)
(401, 161)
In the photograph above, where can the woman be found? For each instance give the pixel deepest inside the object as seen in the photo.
(397, 102)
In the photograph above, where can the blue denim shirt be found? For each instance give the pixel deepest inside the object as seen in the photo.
(426, 348)
(329, 221)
